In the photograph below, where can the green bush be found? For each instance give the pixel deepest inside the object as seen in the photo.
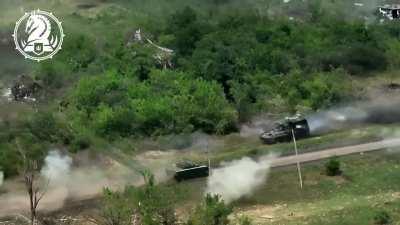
(151, 204)
(244, 220)
(332, 167)
(361, 59)
(168, 102)
(382, 218)
(10, 160)
(43, 125)
(80, 142)
(212, 210)
(186, 29)
(116, 208)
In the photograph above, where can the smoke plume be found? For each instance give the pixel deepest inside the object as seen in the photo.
(68, 182)
(381, 110)
(238, 178)
(336, 119)
(57, 168)
(257, 125)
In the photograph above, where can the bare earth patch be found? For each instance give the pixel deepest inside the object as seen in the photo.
(283, 213)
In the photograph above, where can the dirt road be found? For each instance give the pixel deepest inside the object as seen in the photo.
(16, 202)
(313, 156)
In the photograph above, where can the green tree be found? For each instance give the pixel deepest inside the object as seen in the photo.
(10, 160)
(393, 56)
(184, 25)
(43, 125)
(135, 60)
(325, 89)
(315, 7)
(167, 102)
(78, 52)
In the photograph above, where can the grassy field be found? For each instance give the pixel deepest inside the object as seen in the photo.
(369, 184)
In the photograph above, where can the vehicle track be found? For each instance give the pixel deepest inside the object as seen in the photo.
(323, 154)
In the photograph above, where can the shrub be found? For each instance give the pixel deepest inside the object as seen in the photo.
(151, 204)
(212, 210)
(244, 220)
(168, 102)
(9, 160)
(382, 218)
(80, 142)
(43, 126)
(361, 59)
(332, 167)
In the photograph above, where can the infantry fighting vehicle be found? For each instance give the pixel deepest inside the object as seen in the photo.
(190, 170)
(282, 131)
(391, 12)
(25, 88)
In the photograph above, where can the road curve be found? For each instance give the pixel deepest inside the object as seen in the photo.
(318, 155)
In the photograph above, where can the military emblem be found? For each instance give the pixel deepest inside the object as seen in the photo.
(38, 35)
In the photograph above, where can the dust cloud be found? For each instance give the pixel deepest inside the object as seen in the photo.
(239, 178)
(257, 125)
(335, 119)
(63, 182)
(57, 168)
(382, 110)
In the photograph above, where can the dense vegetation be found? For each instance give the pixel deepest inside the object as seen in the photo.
(225, 71)
(156, 204)
(229, 65)
(165, 102)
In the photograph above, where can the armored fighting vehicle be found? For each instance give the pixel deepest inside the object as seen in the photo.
(391, 12)
(282, 131)
(190, 170)
(25, 88)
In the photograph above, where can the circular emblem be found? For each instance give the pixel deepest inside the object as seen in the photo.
(38, 35)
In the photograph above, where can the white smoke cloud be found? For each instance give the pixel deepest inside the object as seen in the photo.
(67, 182)
(80, 182)
(379, 110)
(335, 119)
(238, 178)
(57, 168)
(256, 126)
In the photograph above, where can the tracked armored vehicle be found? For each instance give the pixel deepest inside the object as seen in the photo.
(25, 88)
(391, 12)
(190, 170)
(282, 131)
